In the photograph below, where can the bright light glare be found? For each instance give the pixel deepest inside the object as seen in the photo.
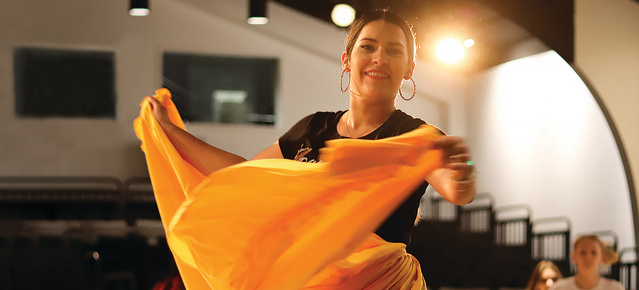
(450, 50)
(257, 20)
(139, 11)
(469, 42)
(343, 15)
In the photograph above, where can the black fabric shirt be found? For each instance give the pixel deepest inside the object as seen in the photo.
(303, 141)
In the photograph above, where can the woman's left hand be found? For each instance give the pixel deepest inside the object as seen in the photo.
(457, 158)
(455, 153)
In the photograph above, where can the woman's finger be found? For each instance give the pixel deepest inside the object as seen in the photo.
(153, 101)
(444, 142)
(460, 158)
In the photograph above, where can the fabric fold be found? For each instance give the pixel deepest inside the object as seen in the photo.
(283, 224)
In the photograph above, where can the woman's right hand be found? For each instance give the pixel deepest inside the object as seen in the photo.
(203, 156)
(160, 112)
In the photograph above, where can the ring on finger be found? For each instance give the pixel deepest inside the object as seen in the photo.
(455, 156)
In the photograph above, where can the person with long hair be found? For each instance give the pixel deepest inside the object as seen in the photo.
(379, 56)
(589, 252)
(543, 276)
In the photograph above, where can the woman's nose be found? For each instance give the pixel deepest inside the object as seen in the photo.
(380, 61)
(380, 58)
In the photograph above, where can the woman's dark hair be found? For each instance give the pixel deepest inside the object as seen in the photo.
(388, 16)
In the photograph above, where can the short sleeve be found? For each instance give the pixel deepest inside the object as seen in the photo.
(289, 142)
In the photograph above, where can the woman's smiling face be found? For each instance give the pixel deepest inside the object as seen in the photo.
(379, 61)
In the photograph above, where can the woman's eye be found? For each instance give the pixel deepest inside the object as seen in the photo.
(367, 47)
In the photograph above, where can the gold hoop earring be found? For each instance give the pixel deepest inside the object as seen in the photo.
(341, 78)
(414, 91)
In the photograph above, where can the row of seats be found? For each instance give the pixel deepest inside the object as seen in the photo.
(479, 246)
(82, 254)
(73, 198)
(80, 233)
(87, 231)
(49, 262)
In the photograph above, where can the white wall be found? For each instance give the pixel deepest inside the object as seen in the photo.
(308, 50)
(540, 139)
(606, 42)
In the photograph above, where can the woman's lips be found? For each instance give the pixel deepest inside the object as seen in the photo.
(377, 74)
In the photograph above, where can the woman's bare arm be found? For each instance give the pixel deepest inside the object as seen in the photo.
(271, 152)
(203, 156)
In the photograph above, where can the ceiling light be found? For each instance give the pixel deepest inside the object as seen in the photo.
(257, 12)
(343, 15)
(450, 50)
(139, 8)
(469, 42)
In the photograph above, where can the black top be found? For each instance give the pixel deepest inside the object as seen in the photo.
(303, 141)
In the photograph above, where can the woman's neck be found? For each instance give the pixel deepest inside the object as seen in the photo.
(364, 113)
(363, 118)
(587, 280)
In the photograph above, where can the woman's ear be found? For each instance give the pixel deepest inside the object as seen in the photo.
(346, 64)
(602, 258)
(410, 70)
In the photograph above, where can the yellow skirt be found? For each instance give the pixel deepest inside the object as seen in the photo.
(284, 224)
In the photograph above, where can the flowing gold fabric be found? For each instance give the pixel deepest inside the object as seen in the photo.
(284, 224)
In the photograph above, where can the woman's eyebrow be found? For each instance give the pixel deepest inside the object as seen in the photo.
(369, 39)
(375, 40)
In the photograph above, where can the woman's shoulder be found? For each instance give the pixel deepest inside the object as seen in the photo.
(308, 132)
(569, 284)
(400, 119)
(320, 118)
(565, 283)
(327, 114)
(323, 120)
(401, 115)
(611, 284)
(312, 125)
